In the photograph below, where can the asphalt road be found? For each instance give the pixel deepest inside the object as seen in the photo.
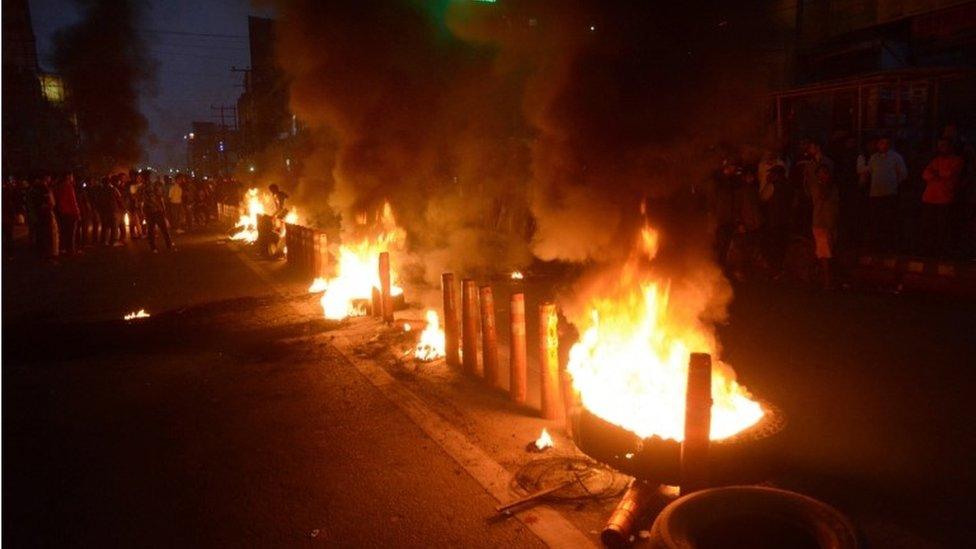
(216, 423)
(880, 395)
(225, 419)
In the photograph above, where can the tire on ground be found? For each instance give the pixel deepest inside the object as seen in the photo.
(751, 516)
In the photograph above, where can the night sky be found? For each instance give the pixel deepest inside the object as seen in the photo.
(194, 43)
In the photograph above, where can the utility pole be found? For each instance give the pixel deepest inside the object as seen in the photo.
(244, 143)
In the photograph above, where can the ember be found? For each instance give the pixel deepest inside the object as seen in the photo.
(431, 344)
(517, 275)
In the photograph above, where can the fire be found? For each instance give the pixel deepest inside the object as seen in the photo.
(544, 441)
(357, 270)
(517, 275)
(630, 365)
(248, 223)
(431, 345)
(141, 313)
(125, 220)
(318, 285)
(292, 217)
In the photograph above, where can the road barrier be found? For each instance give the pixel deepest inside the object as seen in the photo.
(307, 249)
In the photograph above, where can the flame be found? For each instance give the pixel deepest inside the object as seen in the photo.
(431, 345)
(318, 285)
(141, 313)
(357, 270)
(125, 220)
(517, 275)
(248, 223)
(544, 441)
(630, 365)
(292, 217)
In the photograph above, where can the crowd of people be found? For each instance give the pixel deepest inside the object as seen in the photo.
(64, 214)
(838, 197)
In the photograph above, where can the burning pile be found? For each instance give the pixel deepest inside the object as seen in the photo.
(432, 342)
(247, 225)
(357, 270)
(630, 365)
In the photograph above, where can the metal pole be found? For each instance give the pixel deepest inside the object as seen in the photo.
(387, 298)
(451, 324)
(469, 327)
(489, 339)
(698, 419)
(518, 372)
(551, 408)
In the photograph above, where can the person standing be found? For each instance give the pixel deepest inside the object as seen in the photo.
(826, 209)
(109, 212)
(41, 201)
(68, 214)
(154, 206)
(9, 205)
(942, 180)
(886, 170)
(134, 200)
(174, 195)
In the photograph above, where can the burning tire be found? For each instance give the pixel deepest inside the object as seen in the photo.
(751, 516)
(743, 457)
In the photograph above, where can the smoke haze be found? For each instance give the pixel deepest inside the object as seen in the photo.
(502, 131)
(105, 66)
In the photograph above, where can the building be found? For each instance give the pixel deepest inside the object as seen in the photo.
(899, 68)
(262, 110)
(210, 149)
(39, 133)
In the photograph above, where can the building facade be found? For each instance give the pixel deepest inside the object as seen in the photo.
(39, 133)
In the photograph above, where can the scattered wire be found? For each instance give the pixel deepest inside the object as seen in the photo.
(594, 481)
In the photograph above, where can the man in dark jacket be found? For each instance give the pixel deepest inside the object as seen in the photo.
(154, 209)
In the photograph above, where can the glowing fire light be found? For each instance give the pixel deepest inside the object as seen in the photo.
(248, 223)
(318, 285)
(631, 362)
(357, 271)
(431, 345)
(125, 220)
(517, 275)
(292, 217)
(141, 313)
(544, 441)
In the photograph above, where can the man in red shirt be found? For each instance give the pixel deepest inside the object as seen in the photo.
(68, 212)
(942, 179)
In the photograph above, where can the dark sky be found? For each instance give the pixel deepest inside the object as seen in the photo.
(195, 43)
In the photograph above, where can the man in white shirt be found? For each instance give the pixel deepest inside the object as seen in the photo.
(886, 170)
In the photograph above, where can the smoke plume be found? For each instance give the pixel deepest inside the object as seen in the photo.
(104, 63)
(500, 130)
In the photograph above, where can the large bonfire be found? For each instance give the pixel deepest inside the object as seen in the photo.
(350, 290)
(630, 365)
(257, 203)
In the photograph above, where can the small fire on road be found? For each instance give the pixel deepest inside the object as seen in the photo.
(432, 344)
(544, 441)
(141, 313)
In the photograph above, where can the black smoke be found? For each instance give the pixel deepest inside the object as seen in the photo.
(502, 129)
(105, 66)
